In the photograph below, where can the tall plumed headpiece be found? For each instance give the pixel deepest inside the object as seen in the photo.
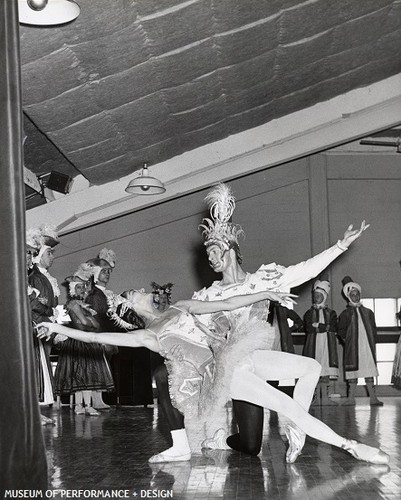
(219, 230)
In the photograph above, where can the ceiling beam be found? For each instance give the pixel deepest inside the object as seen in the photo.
(342, 119)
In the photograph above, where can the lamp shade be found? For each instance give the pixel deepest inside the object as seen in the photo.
(47, 12)
(145, 184)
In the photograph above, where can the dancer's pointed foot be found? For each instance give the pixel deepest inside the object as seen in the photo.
(171, 455)
(348, 402)
(366, 453)
(217, 442)
(296, 440)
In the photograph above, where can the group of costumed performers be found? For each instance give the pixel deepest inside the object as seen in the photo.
(219, 348)
(43, 292)
(357, 330)
(320, 327)
(82, 369)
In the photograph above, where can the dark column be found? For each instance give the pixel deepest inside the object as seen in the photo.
(22, 453)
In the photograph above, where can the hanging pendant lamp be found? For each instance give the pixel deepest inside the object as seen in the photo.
(47, 12)
(145, 184)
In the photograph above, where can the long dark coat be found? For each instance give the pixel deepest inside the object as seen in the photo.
(41, 312)
(348, 332)
(281, 314)
(329, 328)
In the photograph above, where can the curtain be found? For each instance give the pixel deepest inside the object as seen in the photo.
(22, 452)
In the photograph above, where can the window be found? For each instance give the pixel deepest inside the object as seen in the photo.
(385, 310)
(385, 314)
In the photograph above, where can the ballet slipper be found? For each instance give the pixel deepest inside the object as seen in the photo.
(170, 455)
(366, 453)
(217, 442)
(91, 412)
(296, 440)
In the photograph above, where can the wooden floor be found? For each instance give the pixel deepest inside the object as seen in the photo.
(110, 453)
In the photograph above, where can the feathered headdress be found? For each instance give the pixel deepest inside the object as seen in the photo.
(34, 237)
(84, 271)
(44, 236)
(49, 235)
(108, 255)
(218, 229)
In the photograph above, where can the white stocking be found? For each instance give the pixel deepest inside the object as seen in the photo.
(277, 365)
(249, 384)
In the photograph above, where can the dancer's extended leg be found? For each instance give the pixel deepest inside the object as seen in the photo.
(250, 386)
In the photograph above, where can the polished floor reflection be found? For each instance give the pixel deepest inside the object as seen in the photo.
(110, 452)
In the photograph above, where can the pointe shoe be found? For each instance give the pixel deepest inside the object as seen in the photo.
(170, 455)
(296, 440)
(79, 410)
(91, 411)
(367, 453)
(217, 442)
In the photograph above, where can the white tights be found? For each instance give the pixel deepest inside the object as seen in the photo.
(249, 384)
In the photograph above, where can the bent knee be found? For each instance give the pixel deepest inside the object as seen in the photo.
(253, 450)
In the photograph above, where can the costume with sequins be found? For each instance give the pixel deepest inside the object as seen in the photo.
(185, 375)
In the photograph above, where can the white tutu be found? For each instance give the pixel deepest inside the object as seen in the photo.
(213, 414)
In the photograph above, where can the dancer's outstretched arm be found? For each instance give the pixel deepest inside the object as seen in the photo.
(297, 274)
(141, 338)
(204, 307)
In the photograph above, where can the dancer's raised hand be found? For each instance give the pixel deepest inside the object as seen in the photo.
(351, 234)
